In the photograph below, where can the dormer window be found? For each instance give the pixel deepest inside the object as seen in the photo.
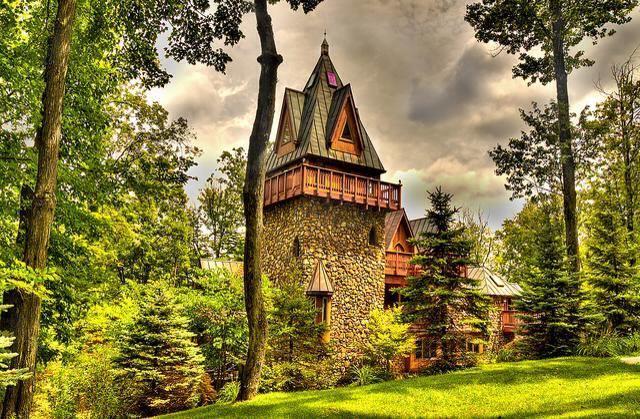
(346, 133)
(286, 132)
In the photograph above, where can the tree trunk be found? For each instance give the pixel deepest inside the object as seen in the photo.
(24, 318)
(253, 200)
(566, 149)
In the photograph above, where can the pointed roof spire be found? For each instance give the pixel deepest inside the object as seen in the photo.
(324, 49)
(320, 283)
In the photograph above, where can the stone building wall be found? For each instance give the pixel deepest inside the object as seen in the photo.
(338, 234)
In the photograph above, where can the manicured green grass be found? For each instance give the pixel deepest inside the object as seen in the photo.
(575, 387)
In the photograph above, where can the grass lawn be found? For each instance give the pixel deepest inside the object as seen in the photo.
(576, 387)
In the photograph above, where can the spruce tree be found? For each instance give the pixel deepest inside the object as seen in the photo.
(442, 299)
(610, 266)
(158, 355)
(551, 300)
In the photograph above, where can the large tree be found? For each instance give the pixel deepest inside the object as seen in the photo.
(550, 304)
(544, 34)
(444, 301)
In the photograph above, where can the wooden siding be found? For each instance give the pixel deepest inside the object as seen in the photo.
(306, 179)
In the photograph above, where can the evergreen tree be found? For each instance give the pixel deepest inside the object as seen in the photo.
(551, 299)
(158, 355)
(610, 265)
(294, 334)
(442, 299)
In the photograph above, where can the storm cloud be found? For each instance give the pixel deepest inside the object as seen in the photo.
(434, 101)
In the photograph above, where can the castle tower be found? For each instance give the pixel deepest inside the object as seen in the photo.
(325, 207)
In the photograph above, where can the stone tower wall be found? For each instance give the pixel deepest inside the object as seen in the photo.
(338, 234)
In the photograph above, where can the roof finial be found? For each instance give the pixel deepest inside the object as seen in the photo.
(324, 49)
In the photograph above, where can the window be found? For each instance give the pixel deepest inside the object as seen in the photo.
(346, 133)
(286, 131)
(399, 248)
(425, 349)
(476, 348)
(391, 298)
(373, 237)
(322, 310)
(296, 248)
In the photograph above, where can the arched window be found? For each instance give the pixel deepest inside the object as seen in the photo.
(296, 248)
(373, 237)
(399, 247)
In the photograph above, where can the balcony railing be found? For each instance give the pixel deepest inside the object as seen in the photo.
(510, 321)
(306, 179)
(398, 264)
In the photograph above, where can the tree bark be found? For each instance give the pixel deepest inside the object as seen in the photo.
(24, 317)
(253, 196)
(566, 148)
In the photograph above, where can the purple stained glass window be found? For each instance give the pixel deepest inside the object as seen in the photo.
(332, 79)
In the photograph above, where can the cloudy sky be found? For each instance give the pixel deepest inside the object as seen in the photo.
(433, 100)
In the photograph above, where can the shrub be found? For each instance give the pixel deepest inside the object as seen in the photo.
(229, 392)
(312, 374)
(86, 387)
(389, 338)
(609, 345)
(366, 374)
(513, 351)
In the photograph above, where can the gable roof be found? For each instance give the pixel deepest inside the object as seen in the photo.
(314, 112)
(492, 283)
(391, 223)
(320, 283)
(421, 225)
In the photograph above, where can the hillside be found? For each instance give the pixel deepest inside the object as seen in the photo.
(576, 387)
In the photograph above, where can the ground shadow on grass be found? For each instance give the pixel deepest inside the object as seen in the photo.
(423, 396)
(620, 405)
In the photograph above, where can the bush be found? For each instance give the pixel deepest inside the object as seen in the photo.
(366, 374)
(389, 338)
(85, 387)
(609, 345)
(513, 351)
(312, 374)
(229, 392)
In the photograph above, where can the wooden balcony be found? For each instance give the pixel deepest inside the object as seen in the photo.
(509, 321)
(398, 264)
(310, 180)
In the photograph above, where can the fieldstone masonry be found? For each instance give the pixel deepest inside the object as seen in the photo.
(338, 234)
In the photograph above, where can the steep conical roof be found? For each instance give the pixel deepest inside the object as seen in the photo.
(313, 113)
(320, 283)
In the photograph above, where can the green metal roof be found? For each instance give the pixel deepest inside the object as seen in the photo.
(314, 112)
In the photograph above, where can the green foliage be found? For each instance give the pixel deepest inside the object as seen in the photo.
(526, 29)
(86, 387)
(293, 333)
(552, 299)
(214, 306)
(366, 374)
(610, 344)
(610, 265)
(440, 290)
(302, 374)
(532, 162)
(158, 356)
(229, 392)
(389, 338)
(221, 206)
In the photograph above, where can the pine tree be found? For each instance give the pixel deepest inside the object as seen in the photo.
(551, 299)
(442, 299)
(158, 355)
(610, 266)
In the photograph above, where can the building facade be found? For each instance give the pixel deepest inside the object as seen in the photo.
(329, 220)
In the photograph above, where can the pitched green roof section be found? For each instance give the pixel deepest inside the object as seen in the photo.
(314, 112)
